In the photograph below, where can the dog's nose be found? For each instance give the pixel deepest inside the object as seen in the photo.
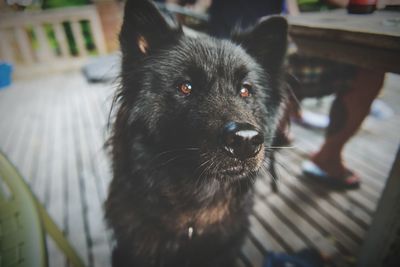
(242, 140)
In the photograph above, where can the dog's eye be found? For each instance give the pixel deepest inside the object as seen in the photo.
(185, 87)
(245, 90)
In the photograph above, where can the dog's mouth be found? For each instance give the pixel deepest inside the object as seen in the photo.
(238, 171)
(222, 167)
(234, 170)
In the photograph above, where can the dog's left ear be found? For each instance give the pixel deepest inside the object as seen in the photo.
(266, 42)
(145, 30)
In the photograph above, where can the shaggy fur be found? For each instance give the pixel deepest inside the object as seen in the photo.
(171, 175)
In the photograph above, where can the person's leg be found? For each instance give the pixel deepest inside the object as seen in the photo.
(291, 109)
(347, 113)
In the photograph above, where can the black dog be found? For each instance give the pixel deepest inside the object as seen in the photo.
(195, 119)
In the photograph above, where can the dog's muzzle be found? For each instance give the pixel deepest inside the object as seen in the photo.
(241, 140)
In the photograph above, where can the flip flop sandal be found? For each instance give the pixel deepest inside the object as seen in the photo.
(348, 181)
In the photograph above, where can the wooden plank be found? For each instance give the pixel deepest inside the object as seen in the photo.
(375, 174)
(264, 212)
(105, 100)
(239, 263)
(99, 161)
(78, 37)
(82, 163)
(252, 253)
(30, 148)
(97, 112)
(348, 202)
(75, 211)
(311, 236)
(56, 257)
(18, 108)
(261, 227)
(11, 124)
(245, 262)
(306, 146)
(264, 237)
(30, 100)
(375, 126)
(40, 179)
(5, 108)
(24, 44)
(14, 122)
(56, 186)
(61, 39)
(363, 196)
(97, 33)
(20, 100)
(38, 138)
(101, 110)
(311, 212)
(19, 137)
(326, 208)
(100, 245)
(341, 200)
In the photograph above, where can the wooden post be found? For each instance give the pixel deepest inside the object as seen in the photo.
(61, 39)
(24, 44)
(97, 33)
(383, 240)
(44, 52)
(78, 37)
(6, 51)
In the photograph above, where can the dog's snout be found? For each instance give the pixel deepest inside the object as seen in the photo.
(241, 140)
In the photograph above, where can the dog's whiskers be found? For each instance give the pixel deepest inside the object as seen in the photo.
(178, 150)
(279, 147)
(198, 179)
(169, 161)
(264, 169)
(209, 167)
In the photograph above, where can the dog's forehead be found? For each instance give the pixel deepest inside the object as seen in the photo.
(214, 53)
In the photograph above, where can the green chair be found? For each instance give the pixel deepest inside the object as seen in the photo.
(24, 223)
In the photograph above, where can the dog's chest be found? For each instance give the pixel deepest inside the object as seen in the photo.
(197, 222)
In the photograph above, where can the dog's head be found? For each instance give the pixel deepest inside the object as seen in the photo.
(203, 105)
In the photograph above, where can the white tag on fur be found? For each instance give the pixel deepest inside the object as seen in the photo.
(190, 232)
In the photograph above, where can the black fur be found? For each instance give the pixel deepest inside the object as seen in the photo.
(170, 172)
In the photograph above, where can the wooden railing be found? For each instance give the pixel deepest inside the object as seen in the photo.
(49, 40)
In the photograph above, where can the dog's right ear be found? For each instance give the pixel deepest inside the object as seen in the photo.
(266, 41)
(144, 29)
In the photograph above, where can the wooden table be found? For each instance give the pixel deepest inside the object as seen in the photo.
(370, 41)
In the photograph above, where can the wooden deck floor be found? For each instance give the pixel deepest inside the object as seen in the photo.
(53, 129)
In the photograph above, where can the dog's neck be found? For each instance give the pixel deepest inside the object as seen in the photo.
(192, 222)
(204, 216)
